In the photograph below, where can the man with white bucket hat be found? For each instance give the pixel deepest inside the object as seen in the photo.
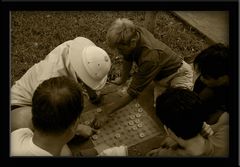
(79, 59)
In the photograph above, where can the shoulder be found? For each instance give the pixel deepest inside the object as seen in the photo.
(22, 131)
(20, 141)
(148, 54)
(220, 138)
(21, 135)
(140, 29)
(148, 51)
(223, 120)
(82, 39)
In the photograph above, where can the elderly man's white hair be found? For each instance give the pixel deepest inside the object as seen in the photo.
(121, 31)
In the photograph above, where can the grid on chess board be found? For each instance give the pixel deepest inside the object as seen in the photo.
(129, 126)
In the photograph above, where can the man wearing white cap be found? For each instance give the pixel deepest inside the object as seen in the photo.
(79, 59)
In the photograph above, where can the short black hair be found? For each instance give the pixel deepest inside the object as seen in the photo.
(213, 61)
(56, 104)
(180, 110)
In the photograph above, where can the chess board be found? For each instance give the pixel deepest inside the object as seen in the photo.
(128, 126)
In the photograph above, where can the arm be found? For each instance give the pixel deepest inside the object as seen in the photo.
(84, 131)
(21, 118)
(94, 98)
(125, 71)
(126, 68)
(111, 108)
(122, 101)
(147, 71)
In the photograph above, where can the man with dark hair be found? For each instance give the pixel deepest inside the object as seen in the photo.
(57, 104)
(212, 58)
(79, 59)
(180, 110)
(56, 107)
(213, 79)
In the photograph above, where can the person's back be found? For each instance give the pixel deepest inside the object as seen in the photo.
(57, 105)
(180, 110)
(22, 145)
(52, 66)
(62, 61)
(73, 59)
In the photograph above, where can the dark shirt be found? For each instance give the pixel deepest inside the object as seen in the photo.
(214, 99)
(216, 145)
(154, 59)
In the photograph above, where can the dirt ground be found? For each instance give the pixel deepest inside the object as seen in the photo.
(35, 33)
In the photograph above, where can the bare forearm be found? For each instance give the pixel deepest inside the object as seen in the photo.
(109, 109)
(123, 101)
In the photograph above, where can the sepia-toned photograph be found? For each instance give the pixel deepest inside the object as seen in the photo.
(119, 83)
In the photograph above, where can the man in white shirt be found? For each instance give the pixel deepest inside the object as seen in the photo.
(56, 107)
(79, 59)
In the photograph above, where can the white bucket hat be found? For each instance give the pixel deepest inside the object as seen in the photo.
(90, 62)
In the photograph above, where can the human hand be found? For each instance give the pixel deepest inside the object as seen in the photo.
(168, 142)
(117, 81)
(100, 120)
(85, 131)
(153, 152)
(206, 130)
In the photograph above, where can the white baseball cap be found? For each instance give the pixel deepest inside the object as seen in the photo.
(91, 63)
